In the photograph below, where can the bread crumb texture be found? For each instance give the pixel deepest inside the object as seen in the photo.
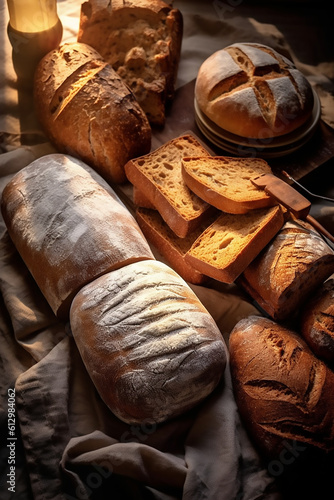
(229, 177)
(159, 175)
(226, 247)
(142, 42)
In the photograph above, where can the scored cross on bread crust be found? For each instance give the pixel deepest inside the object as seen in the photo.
(252, 91)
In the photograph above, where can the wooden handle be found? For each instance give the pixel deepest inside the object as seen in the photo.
(319, 227)
(284, 193)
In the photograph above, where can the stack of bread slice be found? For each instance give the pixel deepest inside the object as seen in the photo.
(202, 212)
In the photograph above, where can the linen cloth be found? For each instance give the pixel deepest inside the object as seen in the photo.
(68, 445)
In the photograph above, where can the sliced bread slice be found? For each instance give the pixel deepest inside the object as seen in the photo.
(170, 246)
(140, 200)
(159, 176)
(225, 182)
(228, 246)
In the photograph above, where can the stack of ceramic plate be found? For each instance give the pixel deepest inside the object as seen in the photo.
(267, 148)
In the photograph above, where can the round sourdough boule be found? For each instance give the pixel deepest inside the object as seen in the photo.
(151, 348)
(282, 390)
(87, 110)
(252, 91)
(68, 227)
(317, 322)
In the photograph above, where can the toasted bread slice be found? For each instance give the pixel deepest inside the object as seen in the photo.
(158, 175)
(228, 246)
(225, 182)
(140, 200)
(170, 246)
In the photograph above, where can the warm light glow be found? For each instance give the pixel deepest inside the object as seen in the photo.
(31, 16)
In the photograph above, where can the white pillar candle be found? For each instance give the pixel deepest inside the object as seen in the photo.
(31, 16)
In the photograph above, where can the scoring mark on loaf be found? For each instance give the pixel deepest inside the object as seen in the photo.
(72, 85)
(288, 358)
(264, 74)
(150, 330)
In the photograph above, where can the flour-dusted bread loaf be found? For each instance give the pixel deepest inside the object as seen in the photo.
(232, 241)
(149, 345)
(158, 175)
(142, 41)
(68, 228)
(225, 182)
(252, 91)
(87, 110)
(317, 321)
(288, 270)
(283, 392)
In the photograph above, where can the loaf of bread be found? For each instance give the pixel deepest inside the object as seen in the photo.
(232, 241)
(288, 270)
(252, 91)
(158, 175)
(152, 349)
(283, 392)
(142, 42)
(225, 182)
(317, 321)
(87, 111)
(68, 228)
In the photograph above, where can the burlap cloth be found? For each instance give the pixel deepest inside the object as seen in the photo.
(66, 444)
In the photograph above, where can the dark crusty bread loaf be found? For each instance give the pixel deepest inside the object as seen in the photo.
(158, 175)
(288, 270)
(142, 41)
(67, 227)
(150, 346)
(87, 110)
(252, 91)
(317, 321)
(282, 390)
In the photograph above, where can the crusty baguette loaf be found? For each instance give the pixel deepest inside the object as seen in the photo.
(225, 182)
(252, 91)
(159, 176)
(170, 246)
(283, 392)
(232, 241)
(142, 42)
(68, 228)
(288, 270)
(87, 110)
(317, 321)
(150, 346)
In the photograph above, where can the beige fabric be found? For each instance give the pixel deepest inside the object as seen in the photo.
(69, 445)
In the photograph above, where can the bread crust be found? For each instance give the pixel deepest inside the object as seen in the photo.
(252, 91)
(288, 270)
(158, 175)
(68, 227)
(152, 350)
(142, 42)
(317, 321)
(282, 390)
(171, 247)
(87, 111)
